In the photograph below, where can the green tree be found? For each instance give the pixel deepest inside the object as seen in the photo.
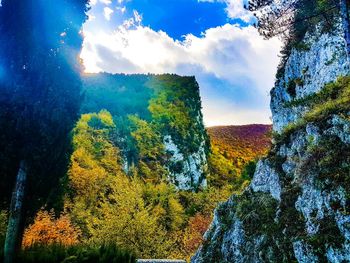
(150, 150)
(39, 100)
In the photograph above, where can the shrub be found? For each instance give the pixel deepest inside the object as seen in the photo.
(249, 170)
(291, 88)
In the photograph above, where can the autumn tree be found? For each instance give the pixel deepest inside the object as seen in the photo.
(47, 229)
(195, 231)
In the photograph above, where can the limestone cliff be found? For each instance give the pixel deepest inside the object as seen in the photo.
(171, 106)
(297, 208)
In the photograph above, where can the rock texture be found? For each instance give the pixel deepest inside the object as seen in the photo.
(325, 60)
(192, 168)
(297, 207)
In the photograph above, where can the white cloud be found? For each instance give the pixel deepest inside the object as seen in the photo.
(235, 9)
(93, 2)
(106, 2)
(137, 17)
(228, 52)
(121, 9)
(235, 55)
(107, 12)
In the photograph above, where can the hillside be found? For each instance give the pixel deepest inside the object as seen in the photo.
(241, 144)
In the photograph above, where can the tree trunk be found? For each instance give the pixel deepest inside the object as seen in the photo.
(15, 214)
(344, 12)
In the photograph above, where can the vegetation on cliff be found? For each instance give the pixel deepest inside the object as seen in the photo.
(138, 209)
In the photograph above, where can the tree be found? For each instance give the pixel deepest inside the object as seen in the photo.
(47, 230)
(274, 17)
(195, 231)
(285, 17)
(39, 96)
(292, 19)
(150, 150)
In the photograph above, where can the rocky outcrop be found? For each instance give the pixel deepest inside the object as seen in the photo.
(177, 120)
(322, 60)
(297, 207)
(191, 169)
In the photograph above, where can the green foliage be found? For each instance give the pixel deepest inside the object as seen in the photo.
(150, 150)
(241, 144)
(75, 254)
(122, 217)
(166, 205)
(309, 16)
(176, 110)
(110, 206)
(292, 85)
(327, 235)
(234, 151)
(139, 210)
(291, 88)
(331, 159)
(291, 223)
(257, 207)
(221, 170)
(147, 139)
(249, 170)
(205, 201)
(302, 46)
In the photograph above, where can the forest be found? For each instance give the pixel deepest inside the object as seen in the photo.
(119, 188)
(97, 168)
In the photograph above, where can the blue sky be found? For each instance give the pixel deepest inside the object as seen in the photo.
(211, 39)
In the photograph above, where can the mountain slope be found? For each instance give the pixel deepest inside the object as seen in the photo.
(241, 144)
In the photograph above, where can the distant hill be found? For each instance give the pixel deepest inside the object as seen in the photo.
(241, 144)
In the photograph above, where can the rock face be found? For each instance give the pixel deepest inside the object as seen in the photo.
(308, 70)
(297, 207)
(192, 168)
(177, 119)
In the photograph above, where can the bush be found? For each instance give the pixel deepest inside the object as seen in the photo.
(249, 170)
(74, 254)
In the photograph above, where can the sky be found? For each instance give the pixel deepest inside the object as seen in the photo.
(213, 40)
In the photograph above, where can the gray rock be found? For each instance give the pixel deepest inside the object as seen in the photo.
(291, 175)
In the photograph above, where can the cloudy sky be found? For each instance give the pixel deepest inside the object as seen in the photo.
(213, 40)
